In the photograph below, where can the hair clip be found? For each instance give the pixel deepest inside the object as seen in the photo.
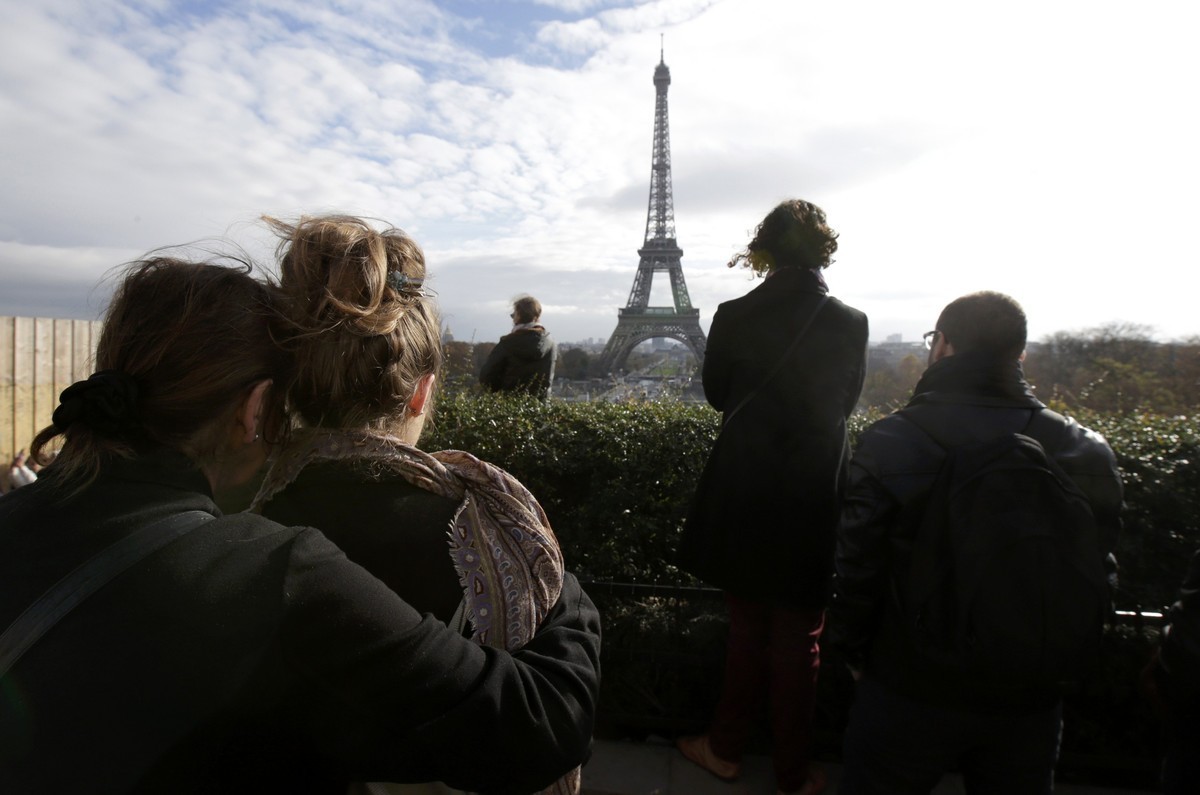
(401, 283)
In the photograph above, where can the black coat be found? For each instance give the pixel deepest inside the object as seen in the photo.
(393, 529)
(522, 362)
(247, 656)
(961, 398)
(1180, 653)
(763, 520)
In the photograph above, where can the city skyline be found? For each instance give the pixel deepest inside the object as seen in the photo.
(1042, 149)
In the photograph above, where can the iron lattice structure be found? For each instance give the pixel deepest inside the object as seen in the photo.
(639, 321)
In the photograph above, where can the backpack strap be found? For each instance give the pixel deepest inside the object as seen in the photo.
(782, 360)
(87, 578)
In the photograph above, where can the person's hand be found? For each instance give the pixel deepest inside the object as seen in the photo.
(856, 672)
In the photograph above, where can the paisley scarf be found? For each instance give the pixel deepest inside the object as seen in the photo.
(506, 555)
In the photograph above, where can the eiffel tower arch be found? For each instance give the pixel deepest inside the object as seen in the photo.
(660, 253)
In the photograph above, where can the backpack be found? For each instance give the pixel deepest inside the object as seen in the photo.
(1006, 582)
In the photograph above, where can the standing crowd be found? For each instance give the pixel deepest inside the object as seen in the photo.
(960, 556)
(387, 616)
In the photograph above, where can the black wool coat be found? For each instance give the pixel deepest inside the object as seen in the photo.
(522, 362)
(251, 657)
(763, 520)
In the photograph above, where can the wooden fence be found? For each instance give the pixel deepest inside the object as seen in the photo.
(39, 358)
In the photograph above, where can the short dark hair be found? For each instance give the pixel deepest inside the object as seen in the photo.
(793, 235)
(527, 309)
(987, 321)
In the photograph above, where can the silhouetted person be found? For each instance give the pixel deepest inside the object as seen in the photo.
(523, 361)
(971, 578)
(242, 655)
(785, 366)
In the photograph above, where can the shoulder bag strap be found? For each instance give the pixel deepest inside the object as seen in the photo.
(782, 360)
(87, 578)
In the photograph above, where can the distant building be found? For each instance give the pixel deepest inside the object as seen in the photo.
(887, 355)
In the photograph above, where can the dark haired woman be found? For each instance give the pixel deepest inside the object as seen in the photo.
(453, 535)
(242, 655)
(785, 365)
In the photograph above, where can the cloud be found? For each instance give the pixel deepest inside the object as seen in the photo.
(1043, 149)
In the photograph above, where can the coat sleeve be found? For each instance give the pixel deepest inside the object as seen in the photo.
(1089, 461)
(550, 360)
(1180, 652)
(715, 373)
(859, 376)
(398, 697)
(861, 564)
(491, 375)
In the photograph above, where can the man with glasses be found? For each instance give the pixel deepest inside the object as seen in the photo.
(905, 598)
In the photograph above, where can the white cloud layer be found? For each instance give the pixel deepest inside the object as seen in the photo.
(1042, 149)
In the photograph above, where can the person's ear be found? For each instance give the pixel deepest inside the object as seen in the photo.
(250, 413)
(421, 395)
(943, 347)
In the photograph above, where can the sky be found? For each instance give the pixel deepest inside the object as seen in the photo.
(1048, 149)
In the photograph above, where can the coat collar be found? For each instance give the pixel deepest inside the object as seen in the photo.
(974, 378)
(802, 279)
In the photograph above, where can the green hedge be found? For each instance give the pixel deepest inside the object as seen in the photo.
(1159, 459)
(615, 480)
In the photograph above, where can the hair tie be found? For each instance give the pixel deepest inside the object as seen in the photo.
(401, 283)
(106, 402)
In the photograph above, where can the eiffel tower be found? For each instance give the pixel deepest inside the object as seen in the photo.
(639, 321)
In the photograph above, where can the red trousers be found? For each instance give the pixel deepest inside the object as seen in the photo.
(773, 655)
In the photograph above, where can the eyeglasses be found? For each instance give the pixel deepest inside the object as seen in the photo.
(931, 338)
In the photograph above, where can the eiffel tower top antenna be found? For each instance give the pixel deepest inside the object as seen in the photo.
(660, 217)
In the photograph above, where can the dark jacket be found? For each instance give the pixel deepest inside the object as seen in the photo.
(763, 519)
(247, 656)
(1180, 652)
(521, 362)
(1177, 675)
(383, 523)
(961, 398)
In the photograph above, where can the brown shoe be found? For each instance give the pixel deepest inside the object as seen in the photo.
(813, 785)
(698, 751)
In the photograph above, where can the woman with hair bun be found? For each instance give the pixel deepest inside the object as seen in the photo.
(149, 643)
(455, 536)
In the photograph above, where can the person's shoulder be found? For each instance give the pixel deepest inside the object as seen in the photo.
(893, 443)
(1078, 448)
(286, 547)
(849, 313)
(354, 492)
(1067, 432)
(251, 527)
(887, 428)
